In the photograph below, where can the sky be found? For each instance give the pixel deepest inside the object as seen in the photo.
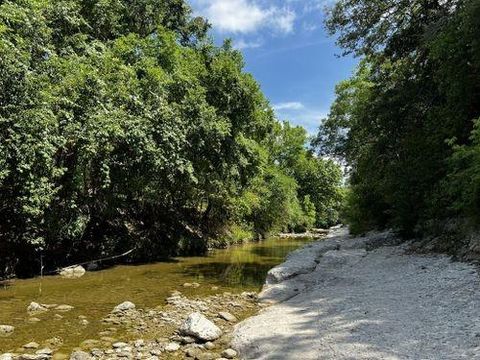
(287, 49)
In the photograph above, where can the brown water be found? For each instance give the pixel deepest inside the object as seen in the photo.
(94, 295)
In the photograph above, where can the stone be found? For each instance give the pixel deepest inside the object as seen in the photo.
(173, 346)
(84, 322)
(229, 354)
(227, 316)
(44, 351)
(125, 306)
(34, 357)
(36, 307)
(139, 343)
(193, 352)
(200, 327)
(64, 308)
(58, 317)
(34, 320)
(80, 355)
(209, 345)
(119, 345)
(7, 356)
(6, 330)
(72, 272)
(31, 345)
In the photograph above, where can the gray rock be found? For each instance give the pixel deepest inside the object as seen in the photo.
(36, 307)
(44, 351)
(125, 306)
(34, 357)
(72, 272)
(173, 346)
(80, 355)
(227, 316)
(6, 330)
(119, 345)
(229, 354)
(200, 327)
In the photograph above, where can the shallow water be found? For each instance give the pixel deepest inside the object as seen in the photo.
(94, 295)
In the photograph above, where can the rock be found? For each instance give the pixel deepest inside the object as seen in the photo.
(31, 345)
(34, 357)
(80, 355)
(6, 330)
(119, 345)
(209, 345)
(58, 317)
(229, 354)
(227, 316)
(125, 306)
(34, 320)
(200, 327)
(139, 343)
(7, 356)
(45, 351)
(173, 346)
(64, 308)
(72, 272)
(84, 322)
(193, 352)
(36, 307)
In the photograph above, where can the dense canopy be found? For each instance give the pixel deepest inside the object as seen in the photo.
(123, 127)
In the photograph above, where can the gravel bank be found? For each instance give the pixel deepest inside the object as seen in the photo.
(355, 300)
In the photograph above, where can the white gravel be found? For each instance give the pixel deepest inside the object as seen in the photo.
(381, 304)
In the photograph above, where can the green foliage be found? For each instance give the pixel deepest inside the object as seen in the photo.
(122, 126)
(414, 95)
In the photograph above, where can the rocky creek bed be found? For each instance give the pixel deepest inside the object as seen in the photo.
(184, 328)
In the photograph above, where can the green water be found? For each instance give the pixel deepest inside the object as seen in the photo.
(94, 295)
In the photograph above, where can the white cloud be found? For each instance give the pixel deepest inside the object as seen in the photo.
(309, 118)
(294, 105)
(246, 16)
(242, 44)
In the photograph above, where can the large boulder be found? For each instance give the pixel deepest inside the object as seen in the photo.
(72, 272)
(6, 330)
(200, 327)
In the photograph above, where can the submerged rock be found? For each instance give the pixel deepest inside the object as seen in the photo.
(200, 327)
(36, 307)
(227, 316)
(125, 306)
(72, 272)
(6, 330)
(80, 355)
(64, 308)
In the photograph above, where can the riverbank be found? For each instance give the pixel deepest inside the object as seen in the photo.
(365, 298)
(165, 294)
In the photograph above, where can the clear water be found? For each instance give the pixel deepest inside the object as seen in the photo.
(236, 269)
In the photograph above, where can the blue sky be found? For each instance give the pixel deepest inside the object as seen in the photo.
(287, 49)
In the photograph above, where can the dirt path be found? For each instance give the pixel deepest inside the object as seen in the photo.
(360, 304)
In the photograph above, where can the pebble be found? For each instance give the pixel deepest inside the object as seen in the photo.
(6, 329)
(227, 316)
(173, 346)
(64, 308)
(36, 307)
(209, 345)
(229, 354)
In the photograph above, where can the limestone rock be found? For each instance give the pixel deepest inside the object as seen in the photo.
(200, 327)
(6, 330)
(227, 316)
(229, 354)
(36, 307)
(171, 347)
(125, 306)
(72, 272)
(80, 355)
